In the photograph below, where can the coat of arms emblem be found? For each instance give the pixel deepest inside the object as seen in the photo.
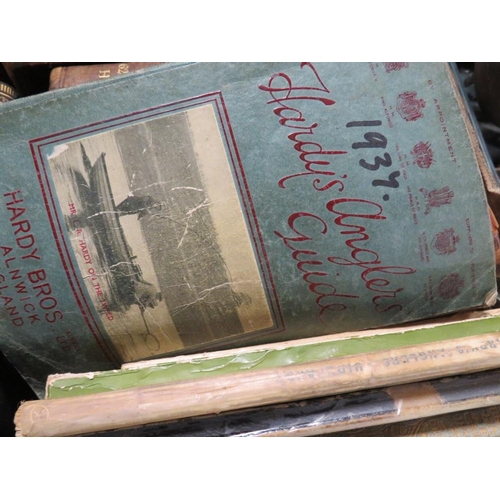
(445, 242)
(423, 156)
(394, 66)
(409, 106)
(450, 286)
(437, 198)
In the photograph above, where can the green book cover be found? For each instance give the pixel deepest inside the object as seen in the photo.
(280, 354)
(198, 206)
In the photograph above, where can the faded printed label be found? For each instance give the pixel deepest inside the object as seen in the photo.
(159, 233)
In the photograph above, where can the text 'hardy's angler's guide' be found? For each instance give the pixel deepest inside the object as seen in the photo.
(198, 206)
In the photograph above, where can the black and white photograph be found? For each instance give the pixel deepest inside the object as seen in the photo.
(159, 234)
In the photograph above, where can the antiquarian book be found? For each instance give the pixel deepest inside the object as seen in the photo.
(155, 403)
(69, 76)
(141, 404)
(392, 411)
(201, 206)
(280, 354)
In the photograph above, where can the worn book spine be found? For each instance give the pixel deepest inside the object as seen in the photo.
(376, 412)
(195, 207)
(69, 76)
(226, 362)
(188, 398)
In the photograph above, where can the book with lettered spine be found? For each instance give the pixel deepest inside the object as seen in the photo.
(201, 206)
(462, 406)
(69, 76)
(248, 379)
(465, 334)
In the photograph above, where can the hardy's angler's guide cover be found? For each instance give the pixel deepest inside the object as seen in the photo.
(195, 206)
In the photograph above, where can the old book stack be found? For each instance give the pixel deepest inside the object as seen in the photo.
(461, 405)
(292, 213)
(163, 397)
